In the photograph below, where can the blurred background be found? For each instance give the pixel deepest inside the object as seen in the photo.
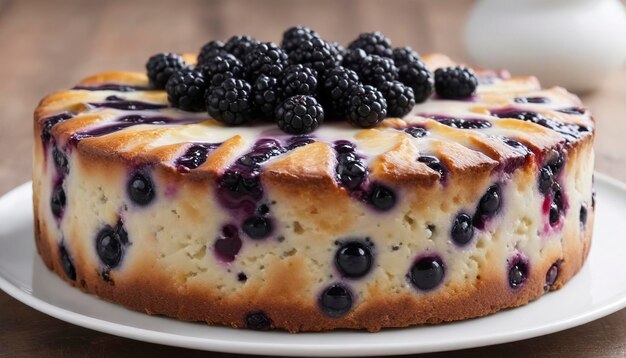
(50, 45)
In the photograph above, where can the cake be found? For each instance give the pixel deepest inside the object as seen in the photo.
(463, 207)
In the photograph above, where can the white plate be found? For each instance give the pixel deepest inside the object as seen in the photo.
(598, 290)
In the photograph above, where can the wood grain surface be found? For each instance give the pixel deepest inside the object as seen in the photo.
(48, 45)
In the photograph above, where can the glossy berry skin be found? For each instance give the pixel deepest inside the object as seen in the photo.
(376, 70)
(265, 58)
(373, 43)
(353, 58)
(257, 227)
(316, 54)
(582, 216)
(66, 263)
(186, 90)
(335, 90)
(382, 198)
(58, 201)
(400, 98)
(518, 273)
(546, 179)
(552, 275)
(462, 229)
(110, 244)
(60, 161)
(295, 35)
(490, 202)
(427, 273)
(299, 115)
(219, 68)
(209, 50)
(230, 102)
(258, 321)
(353, 259)
(299, 80)
(461, 123)
(403, 55)
(416, 132)
(267, 93)
(416, 75)
(161, 66)
(367, 107)
(336, 300)
(239, 46)
(455, 82)
(141, 189)
(351, 172)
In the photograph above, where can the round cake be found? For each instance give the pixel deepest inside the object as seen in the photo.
(458, 209)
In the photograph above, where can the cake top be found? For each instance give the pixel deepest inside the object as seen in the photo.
(494, 124)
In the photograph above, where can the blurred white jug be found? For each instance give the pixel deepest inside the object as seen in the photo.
(571, 43)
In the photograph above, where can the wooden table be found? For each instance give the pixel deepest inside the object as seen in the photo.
(48, 45)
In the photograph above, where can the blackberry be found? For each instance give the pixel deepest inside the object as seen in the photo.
(239, 46)
(353, 59)
(299, 115)
(416, 75)
(298, 79)
(210, 49)
(400, 98)
(266, 94)
(335, 90)
(294, 35)
(161, 66)
(367, 107)
(218, 68)
(230, 102)
(404, 55)
(375, 70)
(455, 82)
(315, 53)
(373, 43)
(265, 58)
(186, 90)
(337, 50)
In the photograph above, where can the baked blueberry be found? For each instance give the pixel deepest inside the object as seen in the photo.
(354, 259)
(228, 244)
(351, 173)
(109, 245)
(518, 273)
(336, 300)
(546, 179)
(60, 161)
(490, 202)
(258, 321)
(427, 273)
(552, 275)
(66, 263)
(583, 215)
(462, 229)
(140, 189)
(416, 132)
(433, 163)
(58, 200)
(257, 227)
(382, 198)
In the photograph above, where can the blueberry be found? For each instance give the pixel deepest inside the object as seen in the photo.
(583, 215)
(490, 202)
(242, 277)
(462, 229)
(552, 275)
(60, 161)
(140, 189)
(416, 132)
(427, 273)
(382, 198)
(351, 174)
(554, 214)
(434, 164)
(354, 259)
(238, 184)
(66, 263)
(557, 163)
(518, 274)
(343, 146)
(336, 300)
(546, 178)
(228, 244)
(109, 245)
(258, 321)
(461, 123)
(257, 227)
(58, 201)
(532, 100)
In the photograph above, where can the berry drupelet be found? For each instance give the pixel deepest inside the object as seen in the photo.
(218, 68)
(367, 107)
(239, 46)
(186, 90)
(316, 54)
(298, 79)
(161, 66)
(353, 59)
(404, 55)
(267, 93)
(373, 43)
(210, 49)
(230, 102)
(375, 70)
(400, 98)
(299, 115)
(336, 88)
(455, 82)
(414, 73)
(295, 35)
(265, 58)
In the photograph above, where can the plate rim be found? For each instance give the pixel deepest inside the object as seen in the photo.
(283, 349)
